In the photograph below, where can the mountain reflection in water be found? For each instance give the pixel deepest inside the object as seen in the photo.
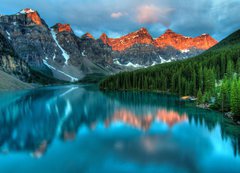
(137, 126)
(144, 121)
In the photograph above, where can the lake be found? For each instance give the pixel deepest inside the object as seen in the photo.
(78, 129)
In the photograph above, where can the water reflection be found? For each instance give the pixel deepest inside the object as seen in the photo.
(144, 121)
(31, 121)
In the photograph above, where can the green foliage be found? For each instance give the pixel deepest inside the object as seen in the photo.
(92, 78)
(235, 97)
(199, 97)
(43, 78)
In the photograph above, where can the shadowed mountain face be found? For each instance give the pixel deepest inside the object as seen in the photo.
(11, 63)
(58, 53)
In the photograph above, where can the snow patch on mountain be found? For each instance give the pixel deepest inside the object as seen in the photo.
(163, 60)
(83, 53)
(129, 64)
(134, 65)
(9, 36)
(26, 11)
(73, 79)
(64, 53)
(185, 51)
(154, 63)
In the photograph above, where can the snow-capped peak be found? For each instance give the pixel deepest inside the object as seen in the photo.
(205, 34)
(26, 11)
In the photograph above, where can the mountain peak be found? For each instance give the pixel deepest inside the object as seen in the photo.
(88, 35)
(104, 35)
(140, 36)
(142, 30)
(180, 42)
(27, 11)
(33, 15)
(104, 38)
(169, 31)
(204, 35)
(59, 27)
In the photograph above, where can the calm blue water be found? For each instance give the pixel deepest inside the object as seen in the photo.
(78, 129)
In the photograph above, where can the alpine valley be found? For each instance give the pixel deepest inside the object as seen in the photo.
(105, 86)
(33, 52)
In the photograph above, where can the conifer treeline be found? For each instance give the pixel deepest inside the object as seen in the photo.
(213, 74)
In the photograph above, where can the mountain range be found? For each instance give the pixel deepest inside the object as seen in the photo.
(31, 51)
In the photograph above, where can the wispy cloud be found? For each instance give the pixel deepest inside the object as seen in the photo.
(153, 14)
(116, 15)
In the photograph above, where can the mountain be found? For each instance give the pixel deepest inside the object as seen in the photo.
(57, 54)
(169, 38)
(139, 49)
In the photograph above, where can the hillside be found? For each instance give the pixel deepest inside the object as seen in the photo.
(9, 82)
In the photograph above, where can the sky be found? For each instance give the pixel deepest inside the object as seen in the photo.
(219, 18)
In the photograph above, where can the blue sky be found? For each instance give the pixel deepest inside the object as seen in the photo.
(219, 18)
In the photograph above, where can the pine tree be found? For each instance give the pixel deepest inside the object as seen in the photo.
(238, 67)
(230, 69)
(200, 78)
(199, 97)
(235, 98)
(224, 97)
(194, 83)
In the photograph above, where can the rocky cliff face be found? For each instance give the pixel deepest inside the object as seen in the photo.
(95, 50)
(10, 63)
(144, 55)
(30, 37)
(86, 54)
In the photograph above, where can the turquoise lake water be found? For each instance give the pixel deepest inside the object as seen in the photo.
(78, 129)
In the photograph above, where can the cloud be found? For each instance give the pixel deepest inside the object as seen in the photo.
(78, 32)
(116, 15)
(153, 14)
(219, 18)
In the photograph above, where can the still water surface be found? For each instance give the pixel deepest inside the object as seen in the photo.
(78, 129)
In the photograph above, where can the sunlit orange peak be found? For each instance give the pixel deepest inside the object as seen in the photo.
(63, 27)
